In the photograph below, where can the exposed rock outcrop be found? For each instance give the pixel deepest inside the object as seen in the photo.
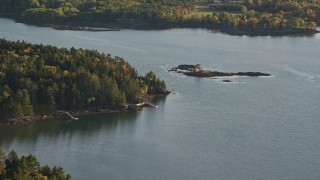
(198, 71)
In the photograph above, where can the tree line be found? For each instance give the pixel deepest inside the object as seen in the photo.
(247, 14)
(103, 11)
(28, 168)
(272, 14)
(36, 78)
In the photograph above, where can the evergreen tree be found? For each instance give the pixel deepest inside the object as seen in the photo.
(28, 168)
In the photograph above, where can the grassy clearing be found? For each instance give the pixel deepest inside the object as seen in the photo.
(201, 9)
(199, 13)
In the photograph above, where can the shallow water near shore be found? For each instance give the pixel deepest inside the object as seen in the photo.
(262, 128)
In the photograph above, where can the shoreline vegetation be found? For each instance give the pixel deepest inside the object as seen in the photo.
(218, 28)
(240, 17)
(79, 113)
(38, 80)
(27, 167)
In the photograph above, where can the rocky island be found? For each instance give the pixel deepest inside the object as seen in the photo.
(198, 71)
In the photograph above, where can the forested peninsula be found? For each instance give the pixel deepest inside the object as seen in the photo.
(37, 80)
(239, 17)
(27, 167)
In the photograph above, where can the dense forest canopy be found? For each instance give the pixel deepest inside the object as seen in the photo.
(275, 14)
(42, 78)
(48, 11)
(28, 168)
(245, 14)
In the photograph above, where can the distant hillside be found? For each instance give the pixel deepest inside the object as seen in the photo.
(266, 17)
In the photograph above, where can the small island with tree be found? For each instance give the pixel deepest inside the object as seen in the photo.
(38, 80)
(239, 17)
(198, 71)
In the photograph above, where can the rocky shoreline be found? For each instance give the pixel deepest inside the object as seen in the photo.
(78, 113)
(82, 28)
(145, 25)
(30, 119)
(266, 32)
(198, 71)
(117, 26)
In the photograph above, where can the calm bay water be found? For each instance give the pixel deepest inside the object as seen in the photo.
(253, 128)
